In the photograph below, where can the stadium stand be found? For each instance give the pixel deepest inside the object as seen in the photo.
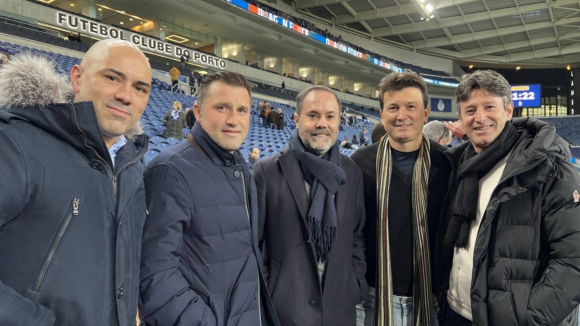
(429, 73)
(36, 33)
(567, 127)
(269, 141)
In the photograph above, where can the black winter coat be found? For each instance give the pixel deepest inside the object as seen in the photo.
(70, 223)
(526, 268)
(200, 263)
(290, 259)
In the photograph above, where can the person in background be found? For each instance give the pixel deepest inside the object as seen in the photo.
(175, 121)
(184, 59)
(253, 157)
(311, 219)
(193, 83)
(4, 59)
(509, 250)
(201, 263)
(272, 117)
(264, 109)
(190, 117)
(437, 131)
(72, 199)
(280, 120)
(364, 137)
(378, 132)
(174, 72)
(355, 140)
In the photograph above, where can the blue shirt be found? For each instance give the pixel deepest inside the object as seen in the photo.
(121, 141)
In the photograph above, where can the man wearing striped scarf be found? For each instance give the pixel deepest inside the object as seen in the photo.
(405, 179)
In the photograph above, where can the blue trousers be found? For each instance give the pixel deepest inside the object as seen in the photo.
(402, 306)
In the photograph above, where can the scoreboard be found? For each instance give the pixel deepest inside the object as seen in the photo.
(527, 96)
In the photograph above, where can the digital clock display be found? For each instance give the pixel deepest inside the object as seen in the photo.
(527, 96)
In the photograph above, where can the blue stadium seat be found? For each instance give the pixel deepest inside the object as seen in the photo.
(150, 155)
(156, 140)
(172, 141)
(163, 146)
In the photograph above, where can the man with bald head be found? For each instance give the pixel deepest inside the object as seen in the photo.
(72, 201)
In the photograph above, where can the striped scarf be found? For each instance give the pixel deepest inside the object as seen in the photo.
(422, 294)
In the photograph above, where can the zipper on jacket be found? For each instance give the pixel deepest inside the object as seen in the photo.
(252, 240)
(113, 175)
(95, 151)
(56, 244)
(545, 274)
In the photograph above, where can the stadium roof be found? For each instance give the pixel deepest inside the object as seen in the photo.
(545, 32)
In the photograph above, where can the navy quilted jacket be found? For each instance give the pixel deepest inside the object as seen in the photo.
(200, 261)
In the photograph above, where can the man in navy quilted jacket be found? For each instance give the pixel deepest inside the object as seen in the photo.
(201, 263)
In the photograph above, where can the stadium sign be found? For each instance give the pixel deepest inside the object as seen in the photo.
(146, 43)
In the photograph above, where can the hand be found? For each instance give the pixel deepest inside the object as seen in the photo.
(456, 127)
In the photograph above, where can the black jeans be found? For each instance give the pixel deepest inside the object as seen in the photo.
(451, 318)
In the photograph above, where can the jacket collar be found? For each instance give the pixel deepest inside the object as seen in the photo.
(215, 153)
(76, 124)
(538, 143)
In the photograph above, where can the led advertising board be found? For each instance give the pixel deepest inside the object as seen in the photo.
(527, 96)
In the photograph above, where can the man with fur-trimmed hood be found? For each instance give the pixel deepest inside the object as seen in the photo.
(72, 201)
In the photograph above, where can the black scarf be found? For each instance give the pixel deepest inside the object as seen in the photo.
(472, 167)
(325, 176)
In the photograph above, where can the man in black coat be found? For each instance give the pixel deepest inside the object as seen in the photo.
(415, 162)
(272, 118)
(72, 201)
(280, 120)
(311, 220)
(509, 249)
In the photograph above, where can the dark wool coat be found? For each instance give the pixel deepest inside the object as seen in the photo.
(290, 259)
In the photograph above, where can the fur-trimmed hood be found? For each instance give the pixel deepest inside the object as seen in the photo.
(30, 81)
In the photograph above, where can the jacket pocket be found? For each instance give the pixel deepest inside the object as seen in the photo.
(356, 290)
(501, 308)
(72, 212)
(520, 293)
(274, 270)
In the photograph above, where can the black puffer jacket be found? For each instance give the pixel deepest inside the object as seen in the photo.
(526, 268)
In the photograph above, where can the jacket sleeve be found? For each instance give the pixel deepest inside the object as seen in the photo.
(14, 308)
(166, 117)
(557, 292)
(183, 121)
(260, 180)
(359, 264)
(165, 294)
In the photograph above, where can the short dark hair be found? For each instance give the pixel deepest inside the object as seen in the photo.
(488, 80)
(227, 77)
(378, 132)
(300, 97)
(397, 81)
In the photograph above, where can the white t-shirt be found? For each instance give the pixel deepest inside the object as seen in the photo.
(459, 293)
